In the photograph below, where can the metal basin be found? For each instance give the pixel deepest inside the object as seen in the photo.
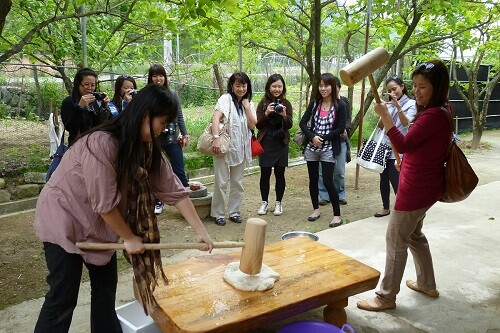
(293, 234)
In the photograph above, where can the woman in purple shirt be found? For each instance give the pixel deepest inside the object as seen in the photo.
(102, 191)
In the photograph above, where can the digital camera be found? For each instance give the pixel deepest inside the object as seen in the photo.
(278, 107)
(99, 95)
(134, 92)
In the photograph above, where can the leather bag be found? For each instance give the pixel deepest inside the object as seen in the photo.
(206, 138)
(459, 177)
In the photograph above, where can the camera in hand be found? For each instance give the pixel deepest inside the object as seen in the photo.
(99, 95)
(278, 107)
(134, 92)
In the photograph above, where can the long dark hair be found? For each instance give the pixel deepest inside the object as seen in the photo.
(153, 100)
(273, 78)
(328, 79)
(158, 70)
(399, 82)
(77, 81)
(437, 74)
(117, 97)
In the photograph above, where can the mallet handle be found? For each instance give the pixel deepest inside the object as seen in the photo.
(156, 246)
(374, 88)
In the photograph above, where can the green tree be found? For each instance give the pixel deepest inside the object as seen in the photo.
(485, 42)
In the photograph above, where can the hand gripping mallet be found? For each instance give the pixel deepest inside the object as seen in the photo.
(363, 67)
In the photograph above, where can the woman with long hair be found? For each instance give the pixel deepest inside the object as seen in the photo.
(237, 110)
(323, 123)
(171, 140)
(420, 185)
(274, 120)
(103, 191)
(403, 110)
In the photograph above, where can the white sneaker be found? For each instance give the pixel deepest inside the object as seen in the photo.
(159, 208)
(263, 208)
(278, 209)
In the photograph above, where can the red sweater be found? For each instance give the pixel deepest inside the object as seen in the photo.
(424, 148)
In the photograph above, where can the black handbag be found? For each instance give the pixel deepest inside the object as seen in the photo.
(279, 132)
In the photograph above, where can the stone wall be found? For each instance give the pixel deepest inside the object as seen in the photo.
(23, 188)
(16, 98)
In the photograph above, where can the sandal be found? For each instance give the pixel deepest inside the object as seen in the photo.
(414, 286)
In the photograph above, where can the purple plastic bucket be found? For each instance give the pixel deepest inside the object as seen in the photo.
(312, 326)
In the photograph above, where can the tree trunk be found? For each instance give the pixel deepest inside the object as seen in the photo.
(218, 79)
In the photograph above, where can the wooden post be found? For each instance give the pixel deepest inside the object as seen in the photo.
(253, 251)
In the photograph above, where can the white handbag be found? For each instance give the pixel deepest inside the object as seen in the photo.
(373, 154)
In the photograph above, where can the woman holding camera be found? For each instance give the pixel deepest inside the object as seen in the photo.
(125, 88)
(403, 110)
(85, 108)
(171, 141)
(236, 109)
(274, 120)
(103, 192)
(323, 123)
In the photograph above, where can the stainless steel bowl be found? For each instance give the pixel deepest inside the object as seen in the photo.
(293, 234)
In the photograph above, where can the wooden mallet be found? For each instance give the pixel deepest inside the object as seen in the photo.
(363, 67)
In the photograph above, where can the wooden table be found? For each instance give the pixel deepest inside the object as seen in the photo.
(197, 298)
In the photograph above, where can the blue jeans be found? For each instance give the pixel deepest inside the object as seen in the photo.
(176, 157)
(338, 175)
(64, 278)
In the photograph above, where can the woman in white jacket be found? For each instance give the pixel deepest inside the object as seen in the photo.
(403, 109)
(236, 108)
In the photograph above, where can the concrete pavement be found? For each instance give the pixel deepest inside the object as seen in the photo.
(464, 243)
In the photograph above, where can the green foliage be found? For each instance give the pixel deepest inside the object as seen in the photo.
(197, 96)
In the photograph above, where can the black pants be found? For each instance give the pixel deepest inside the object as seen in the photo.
(390, 176)
(327, 170)
(65, 272)
(265, 182)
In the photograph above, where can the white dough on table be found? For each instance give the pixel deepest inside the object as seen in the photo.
(259, 282)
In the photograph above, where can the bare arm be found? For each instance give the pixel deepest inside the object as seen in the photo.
(133, 244)
(186, 208)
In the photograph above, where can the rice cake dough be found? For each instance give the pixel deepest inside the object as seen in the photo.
(259, 282)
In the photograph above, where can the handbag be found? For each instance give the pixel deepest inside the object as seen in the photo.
(459, 177)
(373, 154)
(205, 141)
(56, 158)
(256, 146)
(279, 133)
(299, 138)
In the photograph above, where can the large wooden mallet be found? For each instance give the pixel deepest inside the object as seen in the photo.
(365, 66)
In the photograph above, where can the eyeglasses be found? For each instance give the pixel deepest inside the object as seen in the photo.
(88, 85)
(426, 66)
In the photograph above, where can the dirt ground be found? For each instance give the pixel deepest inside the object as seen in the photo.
(22, 264)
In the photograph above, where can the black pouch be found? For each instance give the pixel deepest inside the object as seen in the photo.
(279, 132)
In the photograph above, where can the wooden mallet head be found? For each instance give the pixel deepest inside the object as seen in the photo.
(363, 67)
(253, 251)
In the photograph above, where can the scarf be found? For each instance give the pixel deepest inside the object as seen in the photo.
(142, 220)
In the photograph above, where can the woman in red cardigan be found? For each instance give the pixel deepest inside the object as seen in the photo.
(420, 184)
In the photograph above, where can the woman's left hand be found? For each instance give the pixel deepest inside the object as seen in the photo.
(246, 103)
(207, 240)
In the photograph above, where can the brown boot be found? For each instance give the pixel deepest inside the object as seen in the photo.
(376, 304)
(414, 286)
